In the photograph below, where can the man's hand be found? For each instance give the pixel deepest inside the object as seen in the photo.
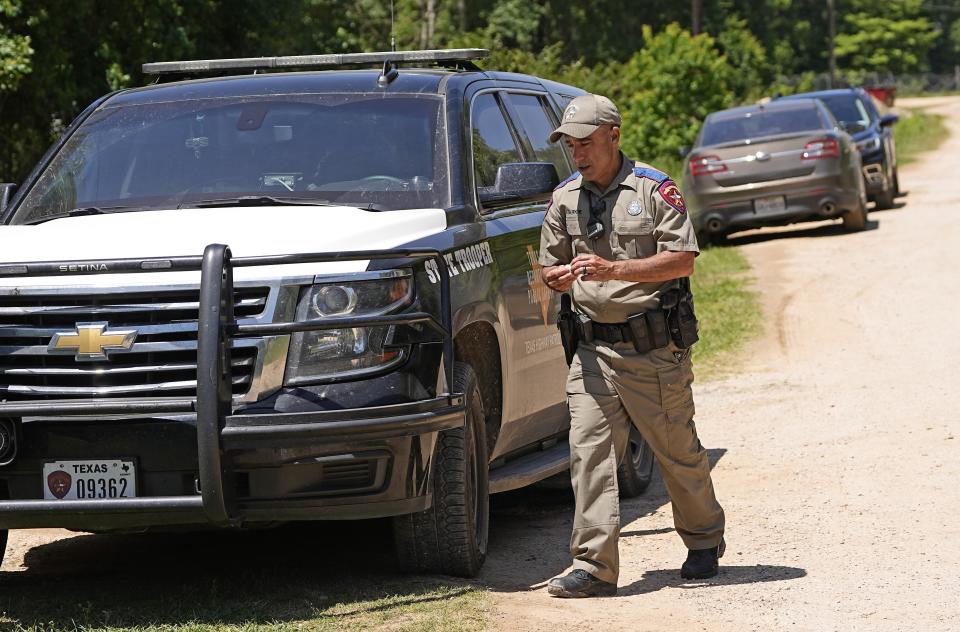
(662, 266)
(594, 268)
(558, 278)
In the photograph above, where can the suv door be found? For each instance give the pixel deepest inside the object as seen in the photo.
(534, 371)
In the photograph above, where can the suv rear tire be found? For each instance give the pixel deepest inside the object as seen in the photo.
(636, 470)
(884, 199)
(451, 536)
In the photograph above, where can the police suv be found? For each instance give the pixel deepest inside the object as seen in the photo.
(289, 288)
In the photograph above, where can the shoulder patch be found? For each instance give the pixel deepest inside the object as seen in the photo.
(651, 174)
(573, 176)
(670, 193)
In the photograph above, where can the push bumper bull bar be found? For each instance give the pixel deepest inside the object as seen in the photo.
(217, 427)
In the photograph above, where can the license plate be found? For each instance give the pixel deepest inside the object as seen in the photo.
(89, 479)
(770, 205)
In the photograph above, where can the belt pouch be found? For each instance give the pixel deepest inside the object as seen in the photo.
(640, 332)
(585, 325)
(659, 335)
(685, 328)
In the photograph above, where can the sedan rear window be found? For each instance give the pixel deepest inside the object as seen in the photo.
(759, 123)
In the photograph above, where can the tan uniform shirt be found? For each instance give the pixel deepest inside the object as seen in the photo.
(638, 222)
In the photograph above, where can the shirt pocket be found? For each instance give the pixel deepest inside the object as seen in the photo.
(634, 237)
(574, 229)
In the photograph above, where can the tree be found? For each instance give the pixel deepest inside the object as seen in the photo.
(888, 37)
(15, 51)
(747, 57)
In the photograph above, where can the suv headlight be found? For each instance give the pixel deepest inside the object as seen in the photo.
(337, 353)
(869, 145)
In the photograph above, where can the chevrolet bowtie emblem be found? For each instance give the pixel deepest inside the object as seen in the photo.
(90, 342)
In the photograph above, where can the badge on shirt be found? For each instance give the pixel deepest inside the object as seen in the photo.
(634, 208)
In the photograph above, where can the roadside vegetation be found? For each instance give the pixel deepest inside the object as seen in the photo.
(728, 310)
(917, 132)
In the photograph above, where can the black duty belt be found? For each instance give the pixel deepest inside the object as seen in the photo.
(612, 332)
(647, 331)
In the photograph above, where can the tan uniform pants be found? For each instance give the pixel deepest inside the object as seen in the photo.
(609, 386)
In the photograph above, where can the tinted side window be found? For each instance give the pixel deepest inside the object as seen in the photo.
(870, 108)
(531, 110)
(493, 144)
(564, 100)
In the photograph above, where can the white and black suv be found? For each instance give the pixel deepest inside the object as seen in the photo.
(278, 289)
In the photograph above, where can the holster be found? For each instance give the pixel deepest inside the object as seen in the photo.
(681, 318)
(567, 324)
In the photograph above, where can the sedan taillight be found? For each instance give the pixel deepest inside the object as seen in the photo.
(704, 165)
(821, 148)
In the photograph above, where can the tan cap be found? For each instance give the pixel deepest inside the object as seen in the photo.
(584, 115)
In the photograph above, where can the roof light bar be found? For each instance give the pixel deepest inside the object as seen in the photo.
(314, 61)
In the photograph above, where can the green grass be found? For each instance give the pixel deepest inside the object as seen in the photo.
(414, 605)
(727, 309)
(234, 582)
(916, 133)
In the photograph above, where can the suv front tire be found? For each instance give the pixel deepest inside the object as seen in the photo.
(451, 536)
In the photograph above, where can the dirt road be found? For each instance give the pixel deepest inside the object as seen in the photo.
(835, 447)
(834, 451)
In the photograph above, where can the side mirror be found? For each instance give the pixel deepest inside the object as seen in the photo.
(520, 182)
(7, 190)
(684, 151)
(888, 119)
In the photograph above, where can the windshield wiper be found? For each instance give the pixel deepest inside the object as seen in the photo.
(85, 210)
(270, 200)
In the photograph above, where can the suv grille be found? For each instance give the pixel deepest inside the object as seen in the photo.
(163, 360)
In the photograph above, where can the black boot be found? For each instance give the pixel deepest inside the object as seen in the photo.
(702, 563)
(580, 583)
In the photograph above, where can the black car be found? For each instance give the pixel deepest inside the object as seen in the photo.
(855, 111)
(278, 289)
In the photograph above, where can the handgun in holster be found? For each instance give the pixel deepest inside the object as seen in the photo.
(567, 324)
(681, 318)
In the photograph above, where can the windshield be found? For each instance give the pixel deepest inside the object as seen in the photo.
(358, 150)
(759, 123)
(848, 110)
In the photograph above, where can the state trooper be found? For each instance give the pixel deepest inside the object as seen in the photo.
(617, 237)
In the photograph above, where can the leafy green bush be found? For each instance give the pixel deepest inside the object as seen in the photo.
(667, 88)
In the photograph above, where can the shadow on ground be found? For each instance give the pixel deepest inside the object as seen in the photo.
(816, 231)
(290, 573)
(655, 580)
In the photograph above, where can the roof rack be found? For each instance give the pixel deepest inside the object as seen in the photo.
(462, 58)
